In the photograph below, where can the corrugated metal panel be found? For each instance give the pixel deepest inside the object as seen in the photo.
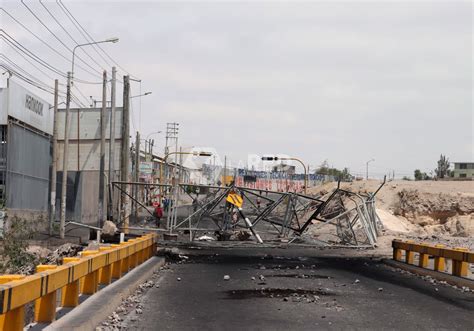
(89, 123)
(28, 165)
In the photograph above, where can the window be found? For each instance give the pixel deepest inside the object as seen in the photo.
(462, 165)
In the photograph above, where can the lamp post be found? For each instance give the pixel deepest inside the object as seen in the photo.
(367, 168)
(141, 95)
(109, 40)
(150, 143)
(62, 219)
(180, 153)
(276, 158)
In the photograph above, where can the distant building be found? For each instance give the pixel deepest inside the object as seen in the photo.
(289, 169)
(463, 170)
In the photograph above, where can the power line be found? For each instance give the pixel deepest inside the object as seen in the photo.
(78, 90)
(32, 64)
(38, 84)
(47, 45)
(32, 80)
(57, 38)
(17, 67)
(15, 44)
(76, 24)
(80, 27)
(69, 35)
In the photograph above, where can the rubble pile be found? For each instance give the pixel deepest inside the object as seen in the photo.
(426, 208)
(129, 308)
(66, 250)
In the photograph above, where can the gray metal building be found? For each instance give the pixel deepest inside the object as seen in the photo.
(26, 127)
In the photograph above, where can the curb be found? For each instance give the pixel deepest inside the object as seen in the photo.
(99, 306)
(450, 279)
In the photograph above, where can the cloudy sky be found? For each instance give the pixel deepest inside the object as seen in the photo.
(339, 81)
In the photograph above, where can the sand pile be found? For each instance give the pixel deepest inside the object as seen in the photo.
(420, 208)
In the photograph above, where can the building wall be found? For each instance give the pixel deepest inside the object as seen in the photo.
(463, 170)
(83, 182)
(89, 139)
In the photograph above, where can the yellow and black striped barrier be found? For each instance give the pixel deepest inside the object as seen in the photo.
(77, 275)
(460, 257)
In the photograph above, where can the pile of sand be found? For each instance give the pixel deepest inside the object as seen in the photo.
(420, 208)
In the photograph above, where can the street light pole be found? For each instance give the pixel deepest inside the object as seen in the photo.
(149, 143)
(275, 158)
(367, 168)
(141, 95)
(62, 220)
(110, 40)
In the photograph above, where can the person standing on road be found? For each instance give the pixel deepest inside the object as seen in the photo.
(158, 213)
(259, 202)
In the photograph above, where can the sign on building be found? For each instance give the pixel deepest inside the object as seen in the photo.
(28, 108)
(146, 170)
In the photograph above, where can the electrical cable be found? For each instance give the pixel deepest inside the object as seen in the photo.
(59, 39)
(47, 45)
(69, 35)
(73, 19)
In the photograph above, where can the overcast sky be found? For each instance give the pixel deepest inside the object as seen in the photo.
(343, 82)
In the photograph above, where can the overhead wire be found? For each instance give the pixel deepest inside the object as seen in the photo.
(21, 70)
(81, 30)
(82, 81)
(80, 27)
(80, 92)
(69, 35)
(32, 58)
(14, 43)
(59, 40)
(39, 84)
(31, 63)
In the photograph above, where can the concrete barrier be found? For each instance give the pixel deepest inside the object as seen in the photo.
(76, 275)
(460, 257)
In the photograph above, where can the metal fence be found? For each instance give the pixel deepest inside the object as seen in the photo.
(28, 167)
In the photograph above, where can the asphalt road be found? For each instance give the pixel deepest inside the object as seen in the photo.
(297, 293)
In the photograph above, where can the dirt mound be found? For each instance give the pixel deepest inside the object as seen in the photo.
(457, 226)
(420, 208)
(431, 208)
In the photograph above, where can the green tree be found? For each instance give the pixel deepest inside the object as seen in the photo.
(443, 167)
(418, 175)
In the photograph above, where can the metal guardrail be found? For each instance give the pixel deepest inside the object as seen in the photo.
(77, 275)
(461, 257)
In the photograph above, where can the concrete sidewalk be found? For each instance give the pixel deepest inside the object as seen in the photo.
(99, 306)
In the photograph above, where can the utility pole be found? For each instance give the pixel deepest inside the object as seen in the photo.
(151, 148)
(62, 220)
(54, 168)
(125, 150)
(367, 168)
(112, 141)
(136, 175)
(103, 124)
(225, 171)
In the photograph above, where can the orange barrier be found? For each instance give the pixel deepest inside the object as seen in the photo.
(76, 275)
(461, 257)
